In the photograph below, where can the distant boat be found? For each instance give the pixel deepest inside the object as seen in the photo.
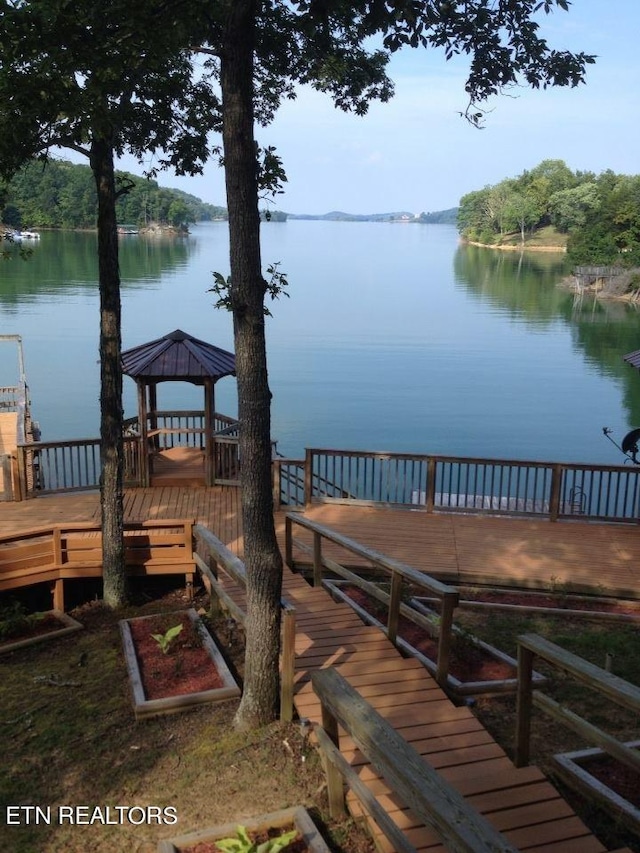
(124, 230)
(27, 235)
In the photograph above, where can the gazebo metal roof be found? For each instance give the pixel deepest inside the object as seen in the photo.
(178, 356)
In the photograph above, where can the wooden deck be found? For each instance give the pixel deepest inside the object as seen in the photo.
(475, 549)
(519, 802)
(592, 557)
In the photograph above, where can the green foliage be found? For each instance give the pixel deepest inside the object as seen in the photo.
(60, 194)
(164, 640)
(600, 214)
(13, 619)
(243, 843)
(274, 287)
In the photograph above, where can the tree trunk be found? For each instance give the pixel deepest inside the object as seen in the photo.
(261, 554)
(111, 417)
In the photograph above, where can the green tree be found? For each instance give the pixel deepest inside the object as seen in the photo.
(523, 211)
(547, 178)
(570, 208)
(263, 50)
(101, 78)
(473, 220)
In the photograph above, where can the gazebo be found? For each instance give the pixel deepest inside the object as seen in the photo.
(177, 357)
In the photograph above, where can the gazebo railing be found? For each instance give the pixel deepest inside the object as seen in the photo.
(181, 428)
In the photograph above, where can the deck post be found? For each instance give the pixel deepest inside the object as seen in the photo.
(287, 663)
(554, 497)
(23, 485)
(449, 604)
(317, 558)
(145, 462)
(430, 485)
(209, 439)
(57, 592)
(335, 790)
(394, 606)
(288, 542)
(308, 476)
(524, 701)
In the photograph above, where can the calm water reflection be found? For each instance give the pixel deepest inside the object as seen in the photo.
(394, 338)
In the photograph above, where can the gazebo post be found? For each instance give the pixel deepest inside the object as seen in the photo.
(209, 440)
(153, 413)
(142, 421)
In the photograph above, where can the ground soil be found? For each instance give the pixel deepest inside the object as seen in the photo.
(468, 661)
(185, 668)
(554, 600)
(623, 780)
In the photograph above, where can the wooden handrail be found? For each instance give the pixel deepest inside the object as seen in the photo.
(399, 572)
(235, 568)
(430, 797)
(614, 688)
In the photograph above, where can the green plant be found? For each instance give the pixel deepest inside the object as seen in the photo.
(164, 640)
(13, 619)
(243, 843)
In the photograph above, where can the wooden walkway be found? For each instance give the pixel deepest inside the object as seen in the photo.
(521, 803)
(592, 557)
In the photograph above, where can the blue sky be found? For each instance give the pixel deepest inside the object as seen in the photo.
(416, 153)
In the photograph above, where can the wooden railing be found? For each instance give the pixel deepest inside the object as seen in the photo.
(430, 798)
(219, 556)
(182, 428)
(611, 687)
(69, 466)
(453, 484)
(398, 574)
(550, 490)
(288, 481)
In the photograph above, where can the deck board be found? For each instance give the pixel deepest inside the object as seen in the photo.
(455, 548)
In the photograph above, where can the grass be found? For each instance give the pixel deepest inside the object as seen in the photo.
(70, 738)
(546, 237)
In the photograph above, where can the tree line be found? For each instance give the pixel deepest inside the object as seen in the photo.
(597, 215)
(60, 194)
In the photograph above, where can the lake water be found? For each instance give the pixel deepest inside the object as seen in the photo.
(394, 338)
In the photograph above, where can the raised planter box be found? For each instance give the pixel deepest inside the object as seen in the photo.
(145, 707)
(573, 768)
(68, 625)
(284, 820)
